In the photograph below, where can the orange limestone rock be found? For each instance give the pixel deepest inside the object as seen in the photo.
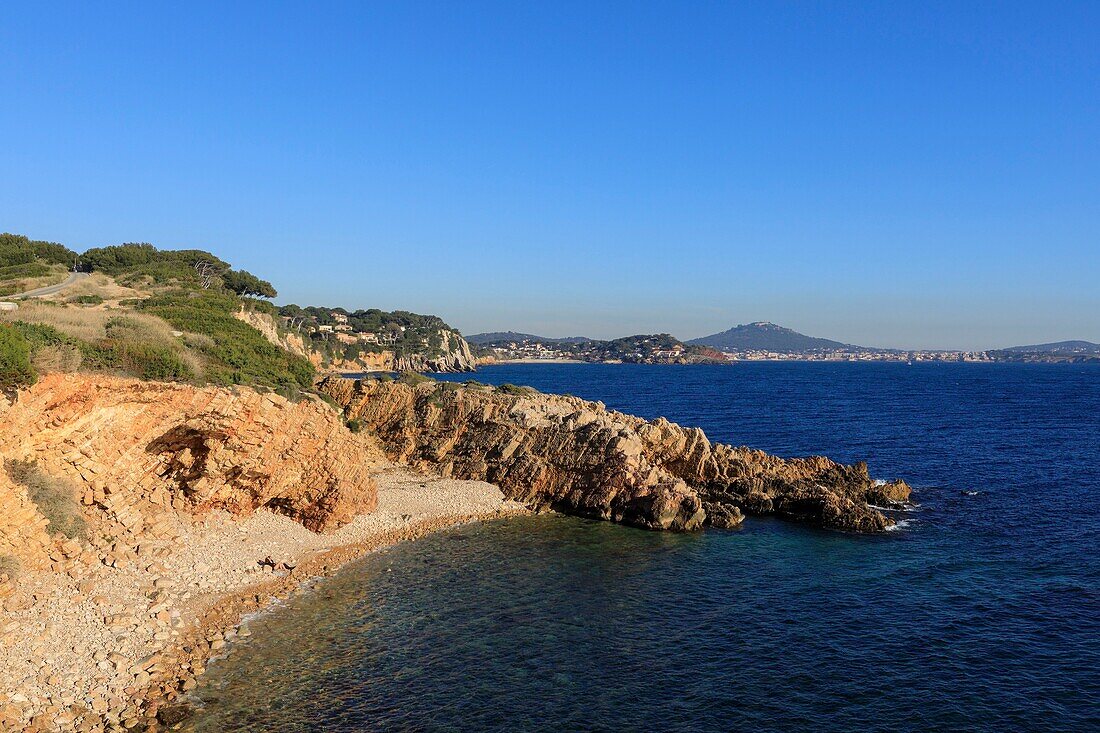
(578, 457)
(136, 451)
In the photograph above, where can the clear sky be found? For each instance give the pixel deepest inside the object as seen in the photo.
(893, 174)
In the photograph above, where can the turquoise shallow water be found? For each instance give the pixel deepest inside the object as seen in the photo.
(982, 613)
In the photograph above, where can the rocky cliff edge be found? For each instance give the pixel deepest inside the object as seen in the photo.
(453, 355)
(578, 457)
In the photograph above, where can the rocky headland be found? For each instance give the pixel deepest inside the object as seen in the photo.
(453, 353)
(189, 507)
(577, 457)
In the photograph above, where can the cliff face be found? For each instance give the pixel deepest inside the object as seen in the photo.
(577, 457)
(292, 342)
(137, 450)
(453, 355)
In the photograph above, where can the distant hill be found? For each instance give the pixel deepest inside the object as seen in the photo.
(1058, 347)
(766, 336)
(481, 339)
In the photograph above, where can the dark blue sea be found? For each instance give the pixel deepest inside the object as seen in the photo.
(981, 613)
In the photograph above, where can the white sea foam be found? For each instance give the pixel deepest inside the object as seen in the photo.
(898, 507)
(902, 524)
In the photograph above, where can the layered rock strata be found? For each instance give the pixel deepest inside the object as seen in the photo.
(135, 451)
(577, 457)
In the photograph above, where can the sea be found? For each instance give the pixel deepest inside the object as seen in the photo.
(979, 612)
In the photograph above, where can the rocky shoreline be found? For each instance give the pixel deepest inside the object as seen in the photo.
(191, 507)
(578, 457)
(121, 648)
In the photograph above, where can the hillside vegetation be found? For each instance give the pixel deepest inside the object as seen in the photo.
(400, 332)
(181, 327)
(144, 264)
(404, 340)
(654, 348)
(187, 315)
(26, 264)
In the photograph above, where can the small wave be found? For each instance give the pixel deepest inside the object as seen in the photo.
(879, 482)
(900, 525)
(897, 507)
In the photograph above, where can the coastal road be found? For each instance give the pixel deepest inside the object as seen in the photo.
(73, 277)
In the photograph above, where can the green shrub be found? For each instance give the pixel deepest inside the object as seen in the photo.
(514, 390)
(56, 498)
(15, 249)
(327, 399)
(413, 378)
(87, 299)
(15, 360)
(243, 282)
(120, 352)
(239, 353)
(150, 361)
(291, 392)
(38, 335)
(26, 269)
(354, 426)
(261, 306)
(146, 260)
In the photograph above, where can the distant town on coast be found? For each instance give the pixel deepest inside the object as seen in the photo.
(760, 341)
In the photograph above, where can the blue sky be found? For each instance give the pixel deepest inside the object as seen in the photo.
(894, 174)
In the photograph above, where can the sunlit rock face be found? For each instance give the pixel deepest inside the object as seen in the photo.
(577, 457)
(136, 451)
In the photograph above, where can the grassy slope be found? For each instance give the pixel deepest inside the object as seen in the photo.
(173, 326)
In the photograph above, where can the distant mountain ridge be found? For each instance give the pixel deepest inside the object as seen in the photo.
(766, 336)
(1058, 347)
(481, 339)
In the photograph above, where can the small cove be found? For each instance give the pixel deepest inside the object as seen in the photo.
(978, 613)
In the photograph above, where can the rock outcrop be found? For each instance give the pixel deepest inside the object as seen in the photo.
(452, 355)
(578, 457)
(23, 533)
(137, 450)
